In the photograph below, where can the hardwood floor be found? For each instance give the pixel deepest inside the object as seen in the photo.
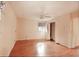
(41, 48)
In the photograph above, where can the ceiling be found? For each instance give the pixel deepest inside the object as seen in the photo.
(33, 9)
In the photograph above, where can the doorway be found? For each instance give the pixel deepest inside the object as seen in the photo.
(52, 31)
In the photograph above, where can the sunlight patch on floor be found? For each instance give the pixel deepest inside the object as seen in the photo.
(40, 49)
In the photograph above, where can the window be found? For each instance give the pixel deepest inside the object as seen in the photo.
(42, 27)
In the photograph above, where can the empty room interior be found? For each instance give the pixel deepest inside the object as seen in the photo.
(39, 28)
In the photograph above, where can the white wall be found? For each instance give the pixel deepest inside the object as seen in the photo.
(7, 30)
(28, 29)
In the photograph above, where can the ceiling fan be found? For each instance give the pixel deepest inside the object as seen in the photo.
(44, 15)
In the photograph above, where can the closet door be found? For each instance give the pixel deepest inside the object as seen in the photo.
(63, 32)
(75, 18)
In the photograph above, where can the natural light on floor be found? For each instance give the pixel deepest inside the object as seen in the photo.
(40, 49)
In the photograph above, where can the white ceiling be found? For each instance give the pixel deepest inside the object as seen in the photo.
(32, 9)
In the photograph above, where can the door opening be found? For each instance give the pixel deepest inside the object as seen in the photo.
(52, 31)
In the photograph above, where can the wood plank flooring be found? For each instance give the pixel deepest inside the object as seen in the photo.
(33, 48)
